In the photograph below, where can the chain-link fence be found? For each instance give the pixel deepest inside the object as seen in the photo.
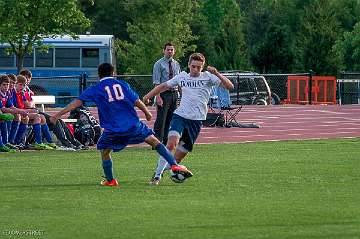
(250, 88)
(65, 88)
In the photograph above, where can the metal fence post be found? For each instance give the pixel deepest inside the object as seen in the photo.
(238, 89)
(310, 86)
(85, 78)
(80, 83)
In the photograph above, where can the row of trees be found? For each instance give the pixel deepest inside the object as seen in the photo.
(267, 36)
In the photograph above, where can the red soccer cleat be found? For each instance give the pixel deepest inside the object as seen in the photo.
(181, 169)
(113, 182)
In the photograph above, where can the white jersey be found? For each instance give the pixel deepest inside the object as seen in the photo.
(195, 94)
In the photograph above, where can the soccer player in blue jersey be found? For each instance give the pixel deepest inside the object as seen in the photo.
(187, 120)
(115, 101)
(4, 118)
(6, 105)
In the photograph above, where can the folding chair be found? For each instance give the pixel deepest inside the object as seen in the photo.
(220, 103)
(230, 115)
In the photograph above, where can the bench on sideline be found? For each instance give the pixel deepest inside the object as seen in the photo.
(43, 100)
(48, 100)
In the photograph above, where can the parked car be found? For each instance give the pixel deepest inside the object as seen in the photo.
(251, 89)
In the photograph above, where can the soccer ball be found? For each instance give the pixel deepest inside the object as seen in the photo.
(177, 178)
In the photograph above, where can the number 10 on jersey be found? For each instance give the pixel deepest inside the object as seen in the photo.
(119, 95)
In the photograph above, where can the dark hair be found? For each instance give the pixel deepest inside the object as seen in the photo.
(168, 44)
(26, 72)
(197, 57)
(4, 78)
(105, 70)
(12, 77)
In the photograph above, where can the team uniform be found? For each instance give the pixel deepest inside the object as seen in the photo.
(19, 99)
(5, 102)
(28, 94)
(40, 130)
(115, 101)
(187, 119)
(18, 129)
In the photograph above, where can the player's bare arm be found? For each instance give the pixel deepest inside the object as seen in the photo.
(73, 105)
(14, 110)
(156, 91)
(224, 80)
(158, 99)
(32, 110)
(144, 109)
(29, 104)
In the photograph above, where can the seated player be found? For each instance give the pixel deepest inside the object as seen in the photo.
(37, 120)
(116, 101)
(3, 119)
(12, 89)
(12, 126)
(27, 91)
(6, 104)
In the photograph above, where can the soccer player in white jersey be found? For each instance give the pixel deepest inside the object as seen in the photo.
(187, 119)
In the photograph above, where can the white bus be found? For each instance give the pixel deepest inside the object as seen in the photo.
(66, 57)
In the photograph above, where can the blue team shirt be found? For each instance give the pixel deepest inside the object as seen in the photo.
(115, 101)
(6, 100)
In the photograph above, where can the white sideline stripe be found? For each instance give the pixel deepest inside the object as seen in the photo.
(264, 135)
(278, 140)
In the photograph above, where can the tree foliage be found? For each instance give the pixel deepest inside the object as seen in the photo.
(107, 17)
(268, 36)
(319, 31)
(25, 23)
(348, 49)
(153, 23)
(219, 27)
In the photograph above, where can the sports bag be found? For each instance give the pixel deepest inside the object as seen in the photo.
(87, 129)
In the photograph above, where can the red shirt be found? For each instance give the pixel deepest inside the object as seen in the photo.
(28, 94)
(20, 99)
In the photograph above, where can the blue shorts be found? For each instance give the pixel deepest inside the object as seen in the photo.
(188, 130)
(118, 141)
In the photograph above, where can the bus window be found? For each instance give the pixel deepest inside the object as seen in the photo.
(44, 59)
(5, 59)
(29, 60)
(90, 57)
(67, 57)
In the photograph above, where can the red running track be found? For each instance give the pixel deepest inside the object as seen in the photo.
(284, 122)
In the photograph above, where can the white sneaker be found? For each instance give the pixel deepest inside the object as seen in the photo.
(65, 148)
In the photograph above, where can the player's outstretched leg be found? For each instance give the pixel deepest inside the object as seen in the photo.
(176, 168)
(166, 154)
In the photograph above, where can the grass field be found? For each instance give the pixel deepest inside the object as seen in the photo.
(294, 189)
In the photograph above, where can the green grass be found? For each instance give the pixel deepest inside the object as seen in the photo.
(294, 189)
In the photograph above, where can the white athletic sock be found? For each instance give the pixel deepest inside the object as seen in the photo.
(161, 166)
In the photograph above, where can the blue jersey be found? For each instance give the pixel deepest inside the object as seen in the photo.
(115, 101)
(5, 100)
